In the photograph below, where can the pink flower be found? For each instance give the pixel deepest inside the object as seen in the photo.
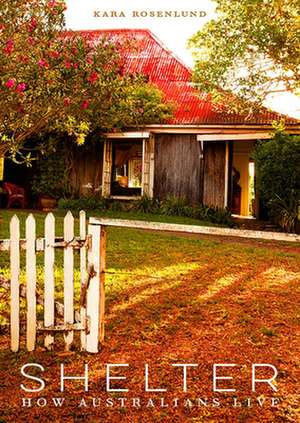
(93, 77)
(33, 24)
(24, 59)
(42, 63)
(31, 41)
(54, 54)
(67, 101)
(75, 65)
(84, 104)
(21, 87)
(68, 64)
(52, 4)
(10, 83)
(8, 49)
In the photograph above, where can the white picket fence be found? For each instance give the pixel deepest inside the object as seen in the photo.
(91, 245)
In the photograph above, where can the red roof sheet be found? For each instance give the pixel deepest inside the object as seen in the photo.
(150, 57)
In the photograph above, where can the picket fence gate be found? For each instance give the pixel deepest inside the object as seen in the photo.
(92, 248)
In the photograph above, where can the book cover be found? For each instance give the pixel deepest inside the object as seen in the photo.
(149, 221)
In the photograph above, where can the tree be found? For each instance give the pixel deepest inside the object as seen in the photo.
(251, 49)
(277, 164)
(56, 80)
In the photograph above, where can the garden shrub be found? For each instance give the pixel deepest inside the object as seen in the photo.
(84, 203)
(146, 205)
(50, 176)
(118, 206)
(174, 206)
(220, 216)
(171, 206)
(278, 179)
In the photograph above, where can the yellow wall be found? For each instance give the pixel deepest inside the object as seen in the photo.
(1, 168)
(241, 157)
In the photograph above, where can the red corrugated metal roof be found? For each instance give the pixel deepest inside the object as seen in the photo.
(150, 57)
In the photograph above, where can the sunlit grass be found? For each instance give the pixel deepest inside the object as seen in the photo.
(165, 274)
(172, 298)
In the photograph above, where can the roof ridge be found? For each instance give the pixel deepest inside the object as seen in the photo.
(174, 55)
(170, 75)
(144, 30)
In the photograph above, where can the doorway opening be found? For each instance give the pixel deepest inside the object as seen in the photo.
(127, 164)
(243, 180)
(251, 189)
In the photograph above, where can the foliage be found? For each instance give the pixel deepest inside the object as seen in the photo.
(84, 203)
(252, 48)
(278, 168)
(216, 215)
(174, 206)
(50, 176)
(171, 206)
(146, 205)
(140, 100)
(51, 79)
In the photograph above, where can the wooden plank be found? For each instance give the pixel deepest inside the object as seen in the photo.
(151, 165)
(60, 328)
(145, 167)
(5, 244)
(68, 278)
(40, 244)
(30, 283)
(172, 175)
(107, 168)
(125, 197)
(226, 174)
(93, 292)
(214, 181)
(83, 276)
(49, 258)
(86, 172)
(209, 230)
(15, 285)
(102, 284)
(128, 135)
(238, 136)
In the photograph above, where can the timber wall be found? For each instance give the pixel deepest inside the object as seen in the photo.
(214, 171)
(86, 169)
(177, 169)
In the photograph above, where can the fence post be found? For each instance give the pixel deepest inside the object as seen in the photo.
(49, 277)
(30, 283)
(93, 292)
(15, 284)
(102, 267)
(68, 278)
(83, 275)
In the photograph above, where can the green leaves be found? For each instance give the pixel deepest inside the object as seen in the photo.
(252, 49)
(277, 170)
(54, 80)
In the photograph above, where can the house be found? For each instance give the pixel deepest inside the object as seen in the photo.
(202, 154)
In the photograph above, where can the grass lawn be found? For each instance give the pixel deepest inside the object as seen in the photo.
(176, 299)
